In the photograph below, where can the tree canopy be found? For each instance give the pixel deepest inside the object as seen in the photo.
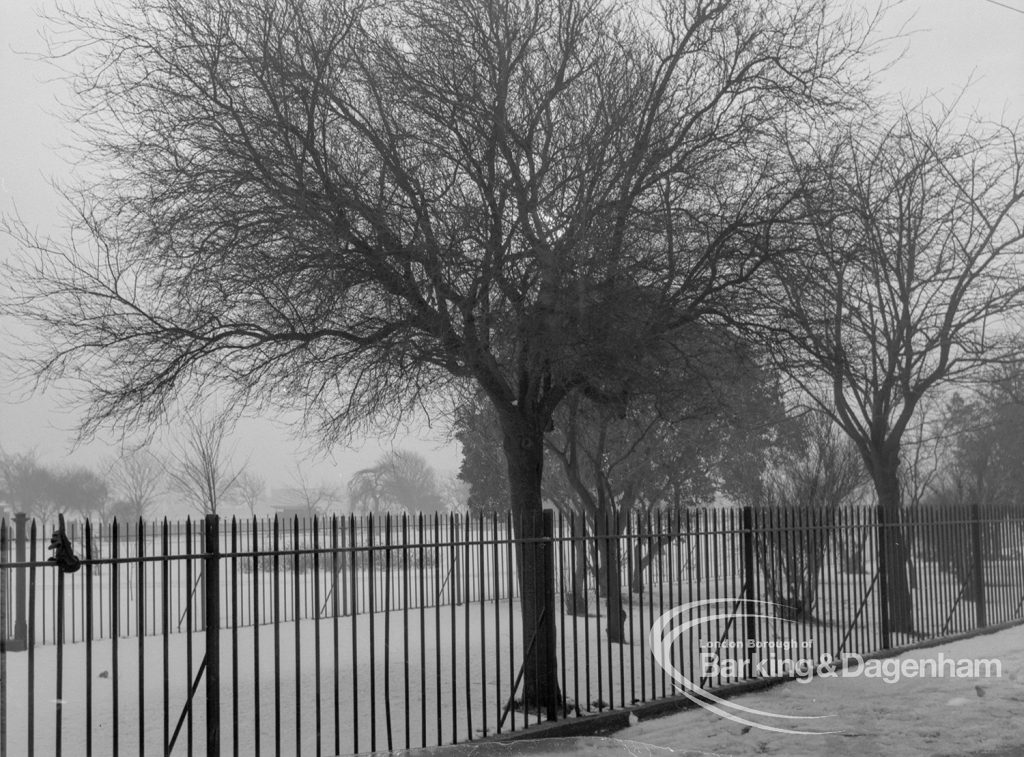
(349, 206)
(910, 279)
(399, 481)
(344, 205)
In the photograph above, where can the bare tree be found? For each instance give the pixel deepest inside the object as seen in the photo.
(315, 498)
(250, 489)
(348, 206)
(204, 473)
(136, 477)
(802, 492)
(925, 443)
(910, 279)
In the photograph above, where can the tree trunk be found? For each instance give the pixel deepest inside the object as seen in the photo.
(853, 556)
(639, 563)
(610, 574)
(524, 452)
(596, 560)
(894, 548)
(577, 603)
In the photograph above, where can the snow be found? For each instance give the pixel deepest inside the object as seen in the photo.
(914, 716)
(459, 651)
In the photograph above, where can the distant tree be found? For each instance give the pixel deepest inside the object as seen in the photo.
(250, 490)
(661, 450)
(43, 492)
(120, 509)
(399, 481)
(136, 479)
(78, 490)
(315, 498)
(27, 484)
(984, 460)
(911, 267)
(455, 493)
(203, 472)
(802, 492)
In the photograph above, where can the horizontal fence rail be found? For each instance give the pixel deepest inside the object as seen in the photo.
(342, 635)
(347, 590)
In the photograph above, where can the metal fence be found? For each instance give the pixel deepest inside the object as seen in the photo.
(344, 635)
(346, 586)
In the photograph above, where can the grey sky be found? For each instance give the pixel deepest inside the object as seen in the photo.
(954, 42)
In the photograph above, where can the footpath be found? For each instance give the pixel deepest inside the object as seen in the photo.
(905, 713)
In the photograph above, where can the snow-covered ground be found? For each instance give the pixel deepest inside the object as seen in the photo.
(914, 716)
(455, 685)
(458, 653)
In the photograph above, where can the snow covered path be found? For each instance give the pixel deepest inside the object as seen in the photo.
(913, 716)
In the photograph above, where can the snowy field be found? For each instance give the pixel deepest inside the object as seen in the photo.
(449, 683)
(455, 686)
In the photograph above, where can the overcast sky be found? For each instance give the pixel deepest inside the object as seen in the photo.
(954, 42)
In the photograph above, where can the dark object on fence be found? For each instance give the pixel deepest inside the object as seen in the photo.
(63, 555)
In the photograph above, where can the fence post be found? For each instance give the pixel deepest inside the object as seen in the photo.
(979, 568)
(4, 641)
(749, 578)
(883, 578)
(551, 663)
(20, 641)
(211, 601)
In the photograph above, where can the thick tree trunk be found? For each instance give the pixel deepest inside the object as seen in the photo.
(894, 548)
(610, 575)
(524, 452)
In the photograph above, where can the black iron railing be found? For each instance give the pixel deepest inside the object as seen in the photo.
(342, 635)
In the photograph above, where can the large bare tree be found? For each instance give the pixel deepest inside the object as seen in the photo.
(910, 279)
(345, 206)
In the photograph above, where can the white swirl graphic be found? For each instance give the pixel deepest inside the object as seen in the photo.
(662, 637)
